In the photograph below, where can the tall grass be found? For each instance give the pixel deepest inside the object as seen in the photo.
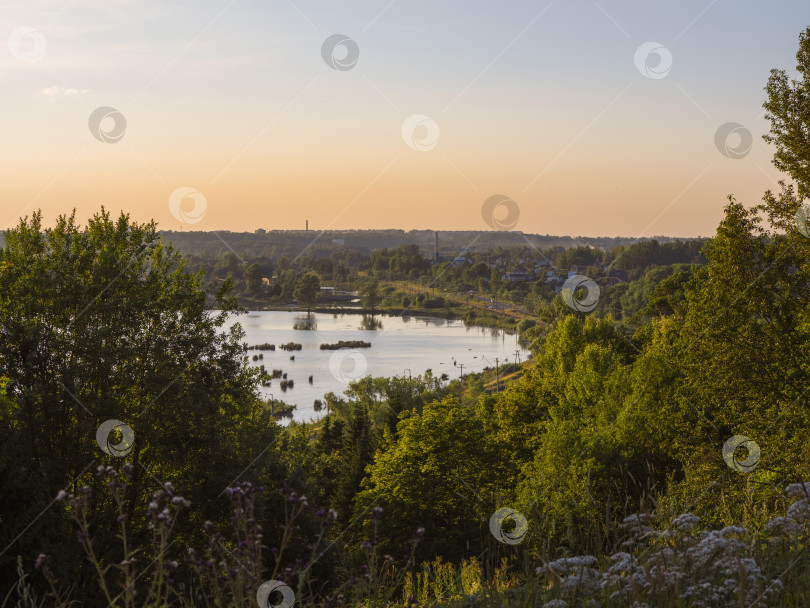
(679, 565)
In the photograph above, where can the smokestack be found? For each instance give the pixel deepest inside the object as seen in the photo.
(435, 246)
(307, 229)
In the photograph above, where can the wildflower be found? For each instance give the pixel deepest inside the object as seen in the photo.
(43, 564)
(574, 573)
(686, 521)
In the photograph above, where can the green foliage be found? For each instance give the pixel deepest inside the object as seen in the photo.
(370, 295)
(788, 110)
(104, 322)
(640, 257)
(638, 295)
(437, 302)
(398, 262)
(578, 256)
(307, 289)
(442, 473)
(253, 279)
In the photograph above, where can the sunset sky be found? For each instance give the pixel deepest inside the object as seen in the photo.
(543, 102)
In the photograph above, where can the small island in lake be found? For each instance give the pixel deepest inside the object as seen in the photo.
(346, 344)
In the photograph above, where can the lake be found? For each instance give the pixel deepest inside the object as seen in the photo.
(399, 346)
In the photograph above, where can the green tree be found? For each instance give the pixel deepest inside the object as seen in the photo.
(788, 109)
(370, 295)
(443, 473)
(253, 279)
(229, 264)
(356, 454)
(104, 322)
(307, 289)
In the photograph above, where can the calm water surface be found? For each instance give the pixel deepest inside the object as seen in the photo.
(399, 345)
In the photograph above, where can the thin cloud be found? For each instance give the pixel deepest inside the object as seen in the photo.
(55, 91)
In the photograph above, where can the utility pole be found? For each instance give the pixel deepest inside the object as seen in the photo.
(497, 377)
(517, 354)
(461, 365)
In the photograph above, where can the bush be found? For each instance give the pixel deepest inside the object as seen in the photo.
(434, 302)
(526, 324)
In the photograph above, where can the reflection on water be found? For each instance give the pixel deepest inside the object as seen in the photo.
(434, 321)
(305, 322)
(370, 323)
(414, 344)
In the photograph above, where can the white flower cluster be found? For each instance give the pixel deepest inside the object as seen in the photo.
(574, 573)
(797, 521)
(708, 568)
(638, 529)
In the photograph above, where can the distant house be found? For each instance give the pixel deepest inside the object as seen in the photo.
(461, 261)
(515, 275)
(551, 277)
(260, 231)
(338, 242)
